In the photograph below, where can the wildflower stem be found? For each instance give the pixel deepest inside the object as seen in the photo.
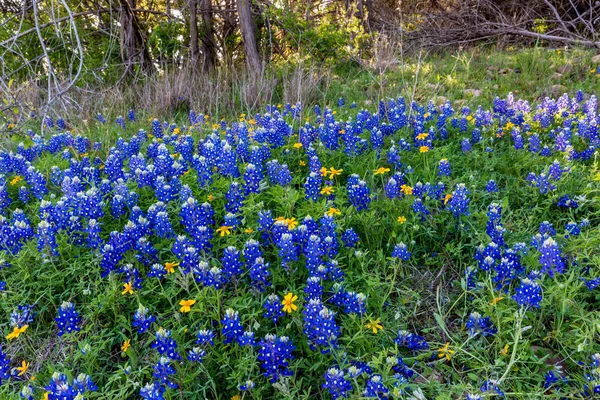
(513, 356)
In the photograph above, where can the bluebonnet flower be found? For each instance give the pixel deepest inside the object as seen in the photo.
(350, 238)
(375, 388)
(466, 145)
(313, 288)
(259, 274)
(232, 329)
(572, 229)
(60, 388)
(162, 371)
(4, 366)
(165, 344)
(411, 341)
(312, 186)
(152, 391)
(567, 202)
(358, 193)
(420, 209)
(401, 252)
(335, 382)
(68, 319)
(355, 303)
(476, 324)
(491, 186)
(24, 316)
(319, 326)
(273, 309)
(274, 354)
(142, 319)
(492, 386)
(246, 386)
(551, 259)
(205, 337)
(232, 265)
(46, 236)
(252, 180)
(444, 167)
(459, 202)
(528, 294)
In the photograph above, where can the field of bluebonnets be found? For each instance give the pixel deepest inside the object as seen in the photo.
(401, 250)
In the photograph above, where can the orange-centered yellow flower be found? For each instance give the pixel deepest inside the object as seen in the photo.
(297, 145)
(327, 190)
(381, 171)
(248, 230)
(23, 368)
(186, 305)
(288, 302)
(407, 190)
(302, 163)
(170, 267)
(332, 211)
(323, 171)
(401, 219)
(16, 332)
(445, 351)
(210, 197)
(224, 230)
(374, 325)
(422, 136)
(127, 288)
(447, 198)
(334, 172)
(423, 149)
(126, 345)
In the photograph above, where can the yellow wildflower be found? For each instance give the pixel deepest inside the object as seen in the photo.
(334, 172)
(23, 368)
(447, 198)
(16, 179)
(126, 345)
(288, 302)
(445, 351)
(422, 136)
(170, 267)
(401, 219)
(16, 332)
(423, 149)
(224, 230)
(332, 211)
(407, 190)
(381, 171)
(127, 288)
(374, 325)
(327, 190)
(186, 305)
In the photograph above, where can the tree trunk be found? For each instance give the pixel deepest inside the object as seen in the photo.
(248, 29)
(133, 44)
(229, 25)
(194, 49)
(209, 46)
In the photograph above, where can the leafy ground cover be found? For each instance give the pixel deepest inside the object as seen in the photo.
(399, 249)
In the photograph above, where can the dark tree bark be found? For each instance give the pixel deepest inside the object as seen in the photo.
(133, 43)
(209, 46)
(229, 26)
(194, 49)
(248, 28)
